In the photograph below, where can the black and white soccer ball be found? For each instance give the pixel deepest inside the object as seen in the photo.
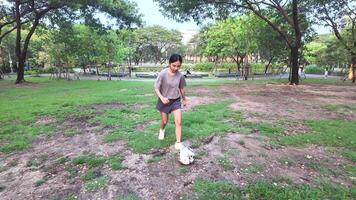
(186, 156)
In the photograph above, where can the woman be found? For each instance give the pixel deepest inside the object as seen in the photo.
(169, 87)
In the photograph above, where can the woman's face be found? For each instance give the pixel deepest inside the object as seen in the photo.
(175, 66)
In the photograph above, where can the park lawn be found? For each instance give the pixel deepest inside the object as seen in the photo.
(22, 106)
(132, 117)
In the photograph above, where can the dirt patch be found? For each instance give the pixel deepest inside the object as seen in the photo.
(293, 102)
(30, 85)
(193, 101)
(108, 106)
(45, 121)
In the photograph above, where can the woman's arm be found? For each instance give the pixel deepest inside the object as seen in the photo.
(163, 99)
(184, 98)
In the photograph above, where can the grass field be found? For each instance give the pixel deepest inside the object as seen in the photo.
(259, 139)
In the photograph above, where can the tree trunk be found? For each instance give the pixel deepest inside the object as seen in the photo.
(353, 67)
(294, 66)
(267, 66)
(20, 61)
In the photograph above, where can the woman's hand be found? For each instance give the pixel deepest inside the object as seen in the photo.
(185, 101)
(165, 100)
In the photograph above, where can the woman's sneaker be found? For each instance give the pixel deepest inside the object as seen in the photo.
(161, 134)
(178, 145)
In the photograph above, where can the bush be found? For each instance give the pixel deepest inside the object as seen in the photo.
(203, 66)
(30, 72)
(147, 69)
(258, 67)
(227, 65)
(313, 69)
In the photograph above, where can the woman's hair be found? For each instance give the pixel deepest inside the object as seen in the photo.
(174, 58)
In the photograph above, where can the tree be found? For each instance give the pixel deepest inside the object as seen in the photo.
(340, 16)
(290, 11)
(326, 50)
(231, 38)
(159, 41)
(270, 48)
(36, 11)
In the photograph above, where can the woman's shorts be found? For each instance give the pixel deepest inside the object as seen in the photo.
(173, 104)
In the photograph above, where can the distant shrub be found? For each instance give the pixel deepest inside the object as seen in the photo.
(313, 69)
(203, 66)
(31, 72)
(227, 65)
(258, 67)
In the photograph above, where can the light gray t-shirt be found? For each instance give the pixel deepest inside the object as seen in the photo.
(169, 85)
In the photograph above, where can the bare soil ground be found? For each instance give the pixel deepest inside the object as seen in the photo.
(219, 158)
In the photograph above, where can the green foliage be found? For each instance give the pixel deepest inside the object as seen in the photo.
(258, 67)
(313, 69)
(206, 66)
(227, 65)
(230, 37)
(153, 42)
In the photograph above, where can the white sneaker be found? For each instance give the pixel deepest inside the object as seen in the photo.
(178, 145)
(161, 134)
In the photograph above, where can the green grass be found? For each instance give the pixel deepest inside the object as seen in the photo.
(96, 184)
(334, 133)
(287, 161)
(341, 108)
(90, 160)
(40, 182)
(154, 159)
(225, 163)
(19, 128)
(204, 121)
(252, 169)
(269, 129)
(128, 197)
(223, 190)
(22, 106)
(93, 161)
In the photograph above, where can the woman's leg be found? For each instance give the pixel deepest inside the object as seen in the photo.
(178, 122)
(164, 120)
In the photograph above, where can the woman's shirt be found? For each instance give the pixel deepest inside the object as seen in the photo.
(169, 85)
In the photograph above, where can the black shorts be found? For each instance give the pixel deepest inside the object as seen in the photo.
(173, 104)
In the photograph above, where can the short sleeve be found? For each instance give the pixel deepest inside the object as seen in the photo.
(182, 82)
(158, 82)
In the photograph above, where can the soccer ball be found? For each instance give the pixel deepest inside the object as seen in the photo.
(186, 156)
